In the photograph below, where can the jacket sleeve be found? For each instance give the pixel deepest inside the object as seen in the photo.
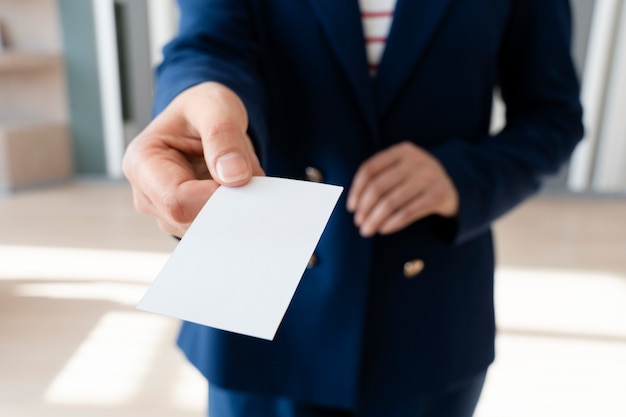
(216, 42)
(540, 88)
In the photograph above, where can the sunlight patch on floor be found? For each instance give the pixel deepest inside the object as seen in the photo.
(122, 293)
(541, 376)
(119, 362)
(589, 303)
(561, 345)
(112, 363)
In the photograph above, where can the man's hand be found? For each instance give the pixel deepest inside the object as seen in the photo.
(398, 186)
(196, 144)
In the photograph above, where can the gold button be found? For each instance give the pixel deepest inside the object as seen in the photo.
(312, 261)
(314, 174)
(413, 268)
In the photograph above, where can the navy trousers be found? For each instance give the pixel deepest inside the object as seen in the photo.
(457, 401)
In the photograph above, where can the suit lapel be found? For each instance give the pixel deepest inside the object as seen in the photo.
(341, 23)
(414, 24)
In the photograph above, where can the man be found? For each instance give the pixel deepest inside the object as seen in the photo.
(395, 316)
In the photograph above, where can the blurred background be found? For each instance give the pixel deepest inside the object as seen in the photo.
(76, 86)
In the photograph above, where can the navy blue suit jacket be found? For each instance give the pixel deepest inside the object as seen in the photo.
(357, 328)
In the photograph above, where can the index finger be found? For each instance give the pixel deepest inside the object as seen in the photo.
(368, 170)
(166, 186)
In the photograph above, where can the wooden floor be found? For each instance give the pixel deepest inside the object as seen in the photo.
(74, 261)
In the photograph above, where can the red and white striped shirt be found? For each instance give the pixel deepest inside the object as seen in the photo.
(377, 16)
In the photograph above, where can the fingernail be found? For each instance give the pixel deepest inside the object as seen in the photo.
(232, 167)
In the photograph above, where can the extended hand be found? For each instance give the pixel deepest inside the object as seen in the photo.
(197, 143)
(398, 186)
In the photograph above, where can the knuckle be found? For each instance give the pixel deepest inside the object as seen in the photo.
(173, 209)
(389, 204)
(373, 189)
(378, 187)
(427, 202)
(170, 229)
(429, 175)
(140, 205)
(405, 145)
(365, 172)
(401, 217)
(438, 194)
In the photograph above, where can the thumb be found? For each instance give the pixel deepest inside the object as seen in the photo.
(229, 154)
(222, 121)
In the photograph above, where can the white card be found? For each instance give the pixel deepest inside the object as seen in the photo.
(241, 260)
